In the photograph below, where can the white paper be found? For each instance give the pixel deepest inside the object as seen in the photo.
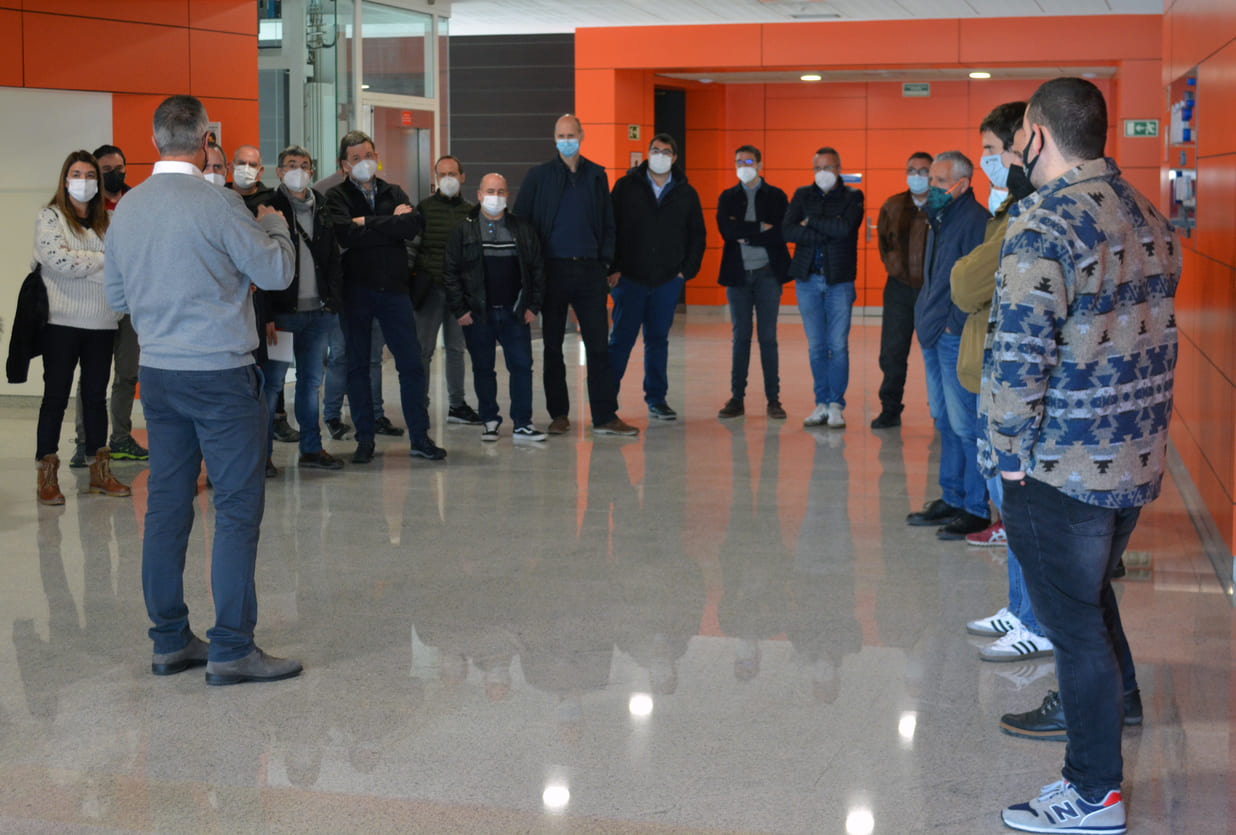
(281, 351)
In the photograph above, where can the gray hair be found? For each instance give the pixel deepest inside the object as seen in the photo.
(180, 125)
(961, 165)
(294, 151)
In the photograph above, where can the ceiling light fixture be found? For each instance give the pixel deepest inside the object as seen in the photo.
(811, 76)
(978, 74)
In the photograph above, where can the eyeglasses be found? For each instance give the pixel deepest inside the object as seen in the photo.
(659, 152)
(832, 168)
(922, 172)
(747, 161)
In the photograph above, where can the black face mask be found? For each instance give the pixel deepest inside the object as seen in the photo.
(113, 182)
(1019, 184)
(1025, 156)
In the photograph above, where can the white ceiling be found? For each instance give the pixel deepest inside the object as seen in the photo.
(514, 17)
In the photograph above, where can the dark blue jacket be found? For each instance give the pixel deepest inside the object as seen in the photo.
(959, 229)
(541, 194)
(833, 221)
(770, 206)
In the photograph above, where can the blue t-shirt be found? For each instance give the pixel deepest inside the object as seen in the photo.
(572, 235)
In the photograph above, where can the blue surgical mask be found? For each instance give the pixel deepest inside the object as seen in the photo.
(995, 170)
(995, 200)
(917, 183)
(568, 147)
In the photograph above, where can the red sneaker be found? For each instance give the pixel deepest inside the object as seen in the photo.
(990, 537)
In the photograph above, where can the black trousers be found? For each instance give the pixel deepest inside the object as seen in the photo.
(580, 285)
(64, 348)
(896, 337)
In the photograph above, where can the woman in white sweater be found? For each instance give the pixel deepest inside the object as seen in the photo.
(68, 249)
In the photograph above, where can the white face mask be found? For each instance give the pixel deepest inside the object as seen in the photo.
(83, 191)
(493, 204)
(825, 180)
(215, 179)
(364, 170)
(449, 186)
(747, 174)
(296, 179)
(244, 175)
(659, 163)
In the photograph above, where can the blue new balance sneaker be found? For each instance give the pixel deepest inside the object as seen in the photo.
(1059, 808)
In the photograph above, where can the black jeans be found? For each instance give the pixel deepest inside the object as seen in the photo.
(759, 297)
(63, 349)
(578, 284)
(896, 336)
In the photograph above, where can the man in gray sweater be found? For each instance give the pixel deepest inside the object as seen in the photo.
(181, 256)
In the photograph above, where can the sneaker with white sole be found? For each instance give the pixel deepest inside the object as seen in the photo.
(528, 432)
(835, 419)
(992, 536)
(1001, 623)
(818, 417)
(1059, 808)
(1019, 645)
(490, 432)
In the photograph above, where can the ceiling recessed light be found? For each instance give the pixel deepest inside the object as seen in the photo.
(977, 74)
(811, 76)
(705, 81)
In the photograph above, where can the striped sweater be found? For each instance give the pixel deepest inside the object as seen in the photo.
(72, 269)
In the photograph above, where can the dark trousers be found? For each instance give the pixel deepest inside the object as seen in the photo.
(501, 326)
(64, 348)
(759, 297)
(639, 306)
(581, 286)
(393, 311)
(1068, 550)
(219, 416)
(124, 388)
(896, 336)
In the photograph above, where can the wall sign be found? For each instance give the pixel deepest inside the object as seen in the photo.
(633, 133)
(1141, 127)
(916, 89)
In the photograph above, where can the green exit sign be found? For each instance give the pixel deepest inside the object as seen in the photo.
(1141, 127)
(916, 89)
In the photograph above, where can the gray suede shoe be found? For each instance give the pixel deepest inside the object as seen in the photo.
(256, 666)
(169, 663)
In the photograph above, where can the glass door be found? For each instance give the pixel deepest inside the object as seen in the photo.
(404, 139)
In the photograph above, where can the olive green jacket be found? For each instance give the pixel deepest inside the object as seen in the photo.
(973, 286)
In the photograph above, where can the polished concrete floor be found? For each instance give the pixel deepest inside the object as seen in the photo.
(718, 626)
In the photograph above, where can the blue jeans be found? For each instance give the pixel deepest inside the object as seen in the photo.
(310, 332)
(637, 305)
(501, 326)
(337, 372)
(218, 416)
(759, 296)
(1019, 600)
(393, 311)
(826, 310)
(955, 412)
(1068, 551)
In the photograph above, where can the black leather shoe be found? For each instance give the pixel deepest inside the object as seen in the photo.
(364, 452)
(320, 460)
(1047, 720)
(733, 408)
(194, 654)
(284, 432)
(886, 420)
(338, 429)
(962, 525)
(933, 513)
(426, 448)
(383, 426)
(271, 470)
(256, 666)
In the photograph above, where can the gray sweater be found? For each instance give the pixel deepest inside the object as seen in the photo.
(180, 260)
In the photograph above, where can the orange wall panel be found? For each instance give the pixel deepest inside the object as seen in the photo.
(817, 113)
(239, 123)
(1216, 84)
(164, 12)
(238, 16)
(624, 47)
(1199, 28)
(745, 106)
(987, 40)
(1216, 208)
(860, 43)
(128, 66)
(1137, 95)
(10, 48)
(892, 148)
(796, 148)
(947, 107)
(1213, 324)
(133, 129)
(222, 64)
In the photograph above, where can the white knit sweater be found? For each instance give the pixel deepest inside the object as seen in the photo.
(72, 268)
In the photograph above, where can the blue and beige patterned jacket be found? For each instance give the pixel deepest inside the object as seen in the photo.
(1081, 347)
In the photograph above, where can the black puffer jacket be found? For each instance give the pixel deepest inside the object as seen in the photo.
(833, 221)
(463, 270)
(327, 265)
(657, 242)
(375, 254)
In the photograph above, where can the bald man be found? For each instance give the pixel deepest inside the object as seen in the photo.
(567, 200)
(247, 171)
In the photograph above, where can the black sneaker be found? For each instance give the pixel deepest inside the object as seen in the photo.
(79, 457)
(129, 450)
(338, 429)
(886, 420)
(426, 448)
(284, 432)
(383, 426)
(465, 415)
(1047, 720)
(364, 452)
(733, 408)
(662, 411)
(320, 460)
(271, 470)
(936, 512)
(962, 525)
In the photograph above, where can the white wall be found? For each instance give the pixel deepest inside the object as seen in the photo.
(41, 128)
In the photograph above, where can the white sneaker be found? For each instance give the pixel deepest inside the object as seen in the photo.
(835, 420)
(490, 432)
(1001, 623)
(1059, 808)
(818, 417)
(528, 432)
(1019, 645)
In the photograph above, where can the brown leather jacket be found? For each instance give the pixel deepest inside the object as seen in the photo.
(901, 233)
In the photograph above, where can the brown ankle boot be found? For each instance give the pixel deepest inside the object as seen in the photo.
(49, 484)
(101, 478)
